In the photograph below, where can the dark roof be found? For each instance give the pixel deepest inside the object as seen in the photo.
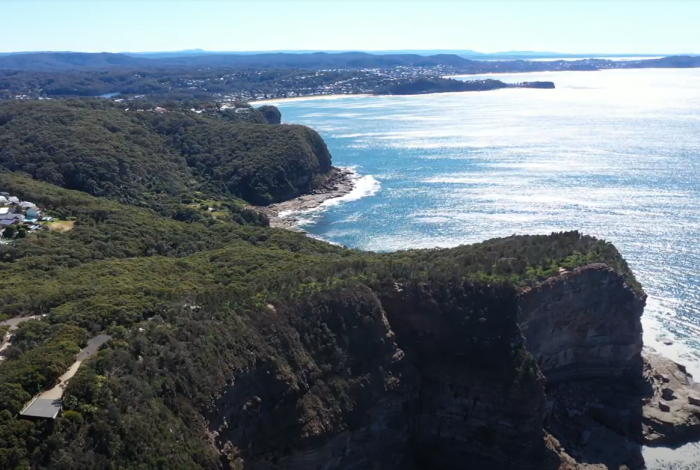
(42, 408)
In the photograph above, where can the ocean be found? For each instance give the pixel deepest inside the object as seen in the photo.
(614, 154)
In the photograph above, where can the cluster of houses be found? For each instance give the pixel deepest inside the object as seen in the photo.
(17, 213)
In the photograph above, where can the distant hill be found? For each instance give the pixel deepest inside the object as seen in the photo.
(466, 53)
(59, 61)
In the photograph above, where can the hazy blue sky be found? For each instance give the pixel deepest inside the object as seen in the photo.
(624, 26)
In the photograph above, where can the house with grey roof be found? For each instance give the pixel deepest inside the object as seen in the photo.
(11, 219)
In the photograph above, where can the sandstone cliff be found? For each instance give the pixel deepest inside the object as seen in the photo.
(452, 375)
(584, 324)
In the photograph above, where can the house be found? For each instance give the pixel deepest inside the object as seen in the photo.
(3, 200)
(4, 194)
(13, 200)
(4, 210)
(11, 219)
(34, 213)
(26, 204)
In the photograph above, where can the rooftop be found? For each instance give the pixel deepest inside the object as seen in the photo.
(42, 408)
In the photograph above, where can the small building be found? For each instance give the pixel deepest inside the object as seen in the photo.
(11, 219)
(13, 200)
(34, 213)
(4, 194)
(3, 200)
(4, 210)
(42, 408)
(26, 204)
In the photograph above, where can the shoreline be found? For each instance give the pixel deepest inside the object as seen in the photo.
(312, 97)
(340, 182)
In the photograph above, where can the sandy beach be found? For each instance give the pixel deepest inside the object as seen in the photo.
(285, 214)
(312, 97)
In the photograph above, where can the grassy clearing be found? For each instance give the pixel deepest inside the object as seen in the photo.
(61, 225)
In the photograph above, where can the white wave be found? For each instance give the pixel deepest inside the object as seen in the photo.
(364, 186)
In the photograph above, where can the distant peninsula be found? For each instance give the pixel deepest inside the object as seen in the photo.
(426, 85)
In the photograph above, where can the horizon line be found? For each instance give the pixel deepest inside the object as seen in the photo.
(370, 51)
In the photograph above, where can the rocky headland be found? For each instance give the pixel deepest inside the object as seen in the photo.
(470, 375)
(339, 182)
(431, 85)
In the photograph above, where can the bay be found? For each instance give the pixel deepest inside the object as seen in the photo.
(615, 154)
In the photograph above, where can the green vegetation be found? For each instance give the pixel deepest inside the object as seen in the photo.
(198, 304)
(150, 158)
(438, 85)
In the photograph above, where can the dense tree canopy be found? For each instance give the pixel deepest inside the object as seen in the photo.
(144, 157)
(199, 300)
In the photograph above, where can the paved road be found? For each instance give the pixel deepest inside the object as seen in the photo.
(92, 347)
(13, 322)
(49, 402)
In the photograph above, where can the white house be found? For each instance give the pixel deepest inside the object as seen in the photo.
(3, 200)
(13, 199)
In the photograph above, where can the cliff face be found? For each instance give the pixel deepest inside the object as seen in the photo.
(480, 400)
(584, 324)
(427, 375)
(338, 400)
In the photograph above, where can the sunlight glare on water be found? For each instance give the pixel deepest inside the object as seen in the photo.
(615, 154)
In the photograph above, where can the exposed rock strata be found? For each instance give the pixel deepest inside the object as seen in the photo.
(584, 324)
(438, 376)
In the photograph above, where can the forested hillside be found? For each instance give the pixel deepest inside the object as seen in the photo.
(146, 157)
(206, 307)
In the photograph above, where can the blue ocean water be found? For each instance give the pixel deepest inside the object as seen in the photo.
(615, 154)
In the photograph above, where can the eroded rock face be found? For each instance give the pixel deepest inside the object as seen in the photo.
(481, 399)
(584, 324)
(440, 376)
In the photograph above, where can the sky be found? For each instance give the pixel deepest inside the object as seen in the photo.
(591, 26)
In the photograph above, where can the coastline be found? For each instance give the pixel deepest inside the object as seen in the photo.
(340, 182)
(310, 97)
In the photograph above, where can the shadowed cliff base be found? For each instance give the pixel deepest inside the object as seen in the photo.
(454, 375)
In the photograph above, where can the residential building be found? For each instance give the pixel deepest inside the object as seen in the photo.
(10, 219)
(33, 213)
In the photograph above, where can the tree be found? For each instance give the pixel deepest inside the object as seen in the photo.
(9, 232)
(22, 232)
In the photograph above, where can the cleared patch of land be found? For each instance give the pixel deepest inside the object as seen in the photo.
(61, 225)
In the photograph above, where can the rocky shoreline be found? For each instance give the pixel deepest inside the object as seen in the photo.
(607, 422)
(340, 182)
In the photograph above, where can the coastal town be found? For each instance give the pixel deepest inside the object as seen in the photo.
(281, 79)
(20, 218)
